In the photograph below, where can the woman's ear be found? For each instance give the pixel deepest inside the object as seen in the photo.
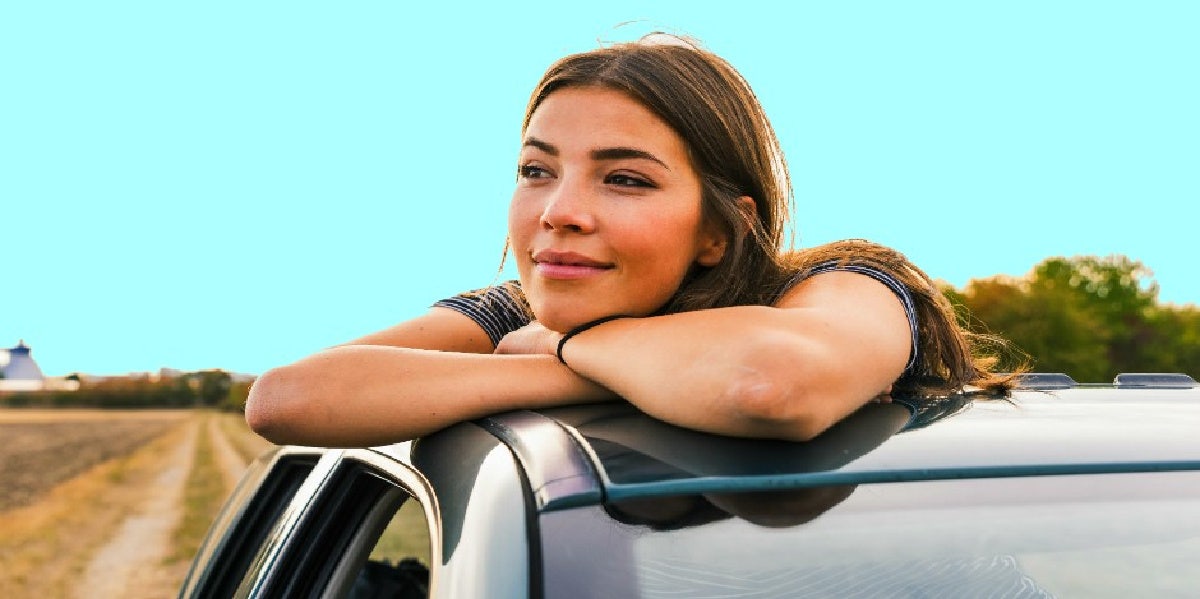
(714, 238)
(712, 250)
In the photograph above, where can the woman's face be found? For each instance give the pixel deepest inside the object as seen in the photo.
(606, 217)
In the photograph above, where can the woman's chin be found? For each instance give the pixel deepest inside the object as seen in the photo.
(562, 323)
(564, 318)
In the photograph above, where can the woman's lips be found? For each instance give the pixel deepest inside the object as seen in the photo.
(554, 264)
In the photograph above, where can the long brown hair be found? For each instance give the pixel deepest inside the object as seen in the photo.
(730, 142)
(735, 151)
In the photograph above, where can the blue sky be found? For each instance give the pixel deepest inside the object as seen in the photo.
(238, 184)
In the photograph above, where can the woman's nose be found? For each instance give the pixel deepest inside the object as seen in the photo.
(569, 208)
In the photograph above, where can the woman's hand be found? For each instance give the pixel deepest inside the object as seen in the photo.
(532, 338)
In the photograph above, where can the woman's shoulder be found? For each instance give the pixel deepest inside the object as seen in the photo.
(944, 352)
(890, 267)
(497, 309)
(508, 291)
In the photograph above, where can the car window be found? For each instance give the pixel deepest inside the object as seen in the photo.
(398, 564)
(406, 536)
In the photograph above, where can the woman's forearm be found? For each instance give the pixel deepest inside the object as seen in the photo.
(745, 371)
(709, 371)
(372, 395)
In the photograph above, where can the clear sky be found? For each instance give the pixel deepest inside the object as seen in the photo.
(237, 184)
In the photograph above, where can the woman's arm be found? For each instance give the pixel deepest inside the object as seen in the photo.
(830, 345)
(404, 382)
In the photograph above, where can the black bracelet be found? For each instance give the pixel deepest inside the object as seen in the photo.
(579, 329)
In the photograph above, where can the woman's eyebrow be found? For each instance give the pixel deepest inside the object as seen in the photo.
(541, 145)
(625, 153)
(619, 153)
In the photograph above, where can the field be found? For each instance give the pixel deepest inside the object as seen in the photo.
(100, 503)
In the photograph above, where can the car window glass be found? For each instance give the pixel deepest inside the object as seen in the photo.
(406, 536)
(398, 564)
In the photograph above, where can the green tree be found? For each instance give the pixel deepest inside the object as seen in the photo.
(1087, 316)
(235, 400)
(1120, 295)
(214, 386)
(208, 387)
(1173, 341)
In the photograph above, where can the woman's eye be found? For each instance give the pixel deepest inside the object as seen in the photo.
(623, 180)
(529, 171)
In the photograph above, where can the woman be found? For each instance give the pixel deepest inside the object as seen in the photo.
(647, 226)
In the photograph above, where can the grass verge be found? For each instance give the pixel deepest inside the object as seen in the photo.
(245, 442)
(202, 498)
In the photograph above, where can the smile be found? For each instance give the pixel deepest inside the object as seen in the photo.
(553, 264)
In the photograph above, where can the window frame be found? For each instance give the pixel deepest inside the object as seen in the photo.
(322, 504)
(248, 520)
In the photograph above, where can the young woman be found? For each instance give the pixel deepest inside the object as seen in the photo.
(647, 228)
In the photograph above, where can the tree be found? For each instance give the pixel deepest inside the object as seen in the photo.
(235, 400)
(1087, 316)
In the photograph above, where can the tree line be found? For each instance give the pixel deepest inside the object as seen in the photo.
(1087, 316)
(201, 389)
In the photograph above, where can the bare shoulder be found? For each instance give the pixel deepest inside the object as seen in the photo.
(842, 290)
(853, 275)
(440, 329)
(857, 316)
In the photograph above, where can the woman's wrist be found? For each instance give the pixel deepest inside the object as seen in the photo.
(562, 341)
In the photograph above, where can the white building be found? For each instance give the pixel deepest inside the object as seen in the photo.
(21, 372)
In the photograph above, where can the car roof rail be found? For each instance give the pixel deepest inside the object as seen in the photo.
(1154, 380)
(1044, 381)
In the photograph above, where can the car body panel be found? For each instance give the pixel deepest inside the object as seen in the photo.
(1073, 431)
(1033, 492)
(482, 513)
(1075, 535)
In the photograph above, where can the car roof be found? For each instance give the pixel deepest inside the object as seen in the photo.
(594, 453)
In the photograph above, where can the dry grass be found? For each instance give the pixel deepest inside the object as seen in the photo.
(23, 415)
(39, 453)
(45, 546)
(208, 485)
(245, 442)
(203, 496)
(73, 477)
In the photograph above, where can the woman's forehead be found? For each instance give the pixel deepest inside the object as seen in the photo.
(587, 118)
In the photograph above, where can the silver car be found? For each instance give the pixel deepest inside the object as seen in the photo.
(1062, 489)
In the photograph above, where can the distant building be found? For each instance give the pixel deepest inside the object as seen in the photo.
(21, 372)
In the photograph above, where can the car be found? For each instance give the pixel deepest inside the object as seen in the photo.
(1058, 489)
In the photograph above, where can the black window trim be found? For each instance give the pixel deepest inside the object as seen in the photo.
(407, 483)
(244, 523)
(332, 471)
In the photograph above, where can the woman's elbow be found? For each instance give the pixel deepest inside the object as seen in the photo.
(276, 404)
(773, 395)
(777, 410)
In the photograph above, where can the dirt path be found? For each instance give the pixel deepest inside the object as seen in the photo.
(231, 464)
(130, 564)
